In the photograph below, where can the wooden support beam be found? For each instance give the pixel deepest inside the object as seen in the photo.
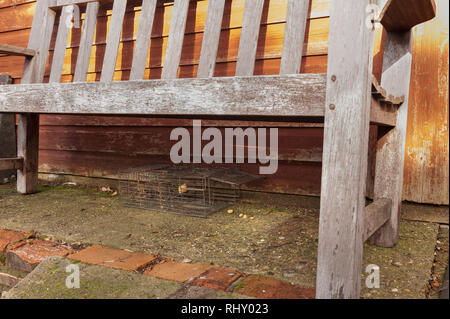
(345, 151)
(13, 50)
(11, 163)
(391, 147)
(33, 72)
(402, 15)
(375, 216)
(383, 114)
(289, 95)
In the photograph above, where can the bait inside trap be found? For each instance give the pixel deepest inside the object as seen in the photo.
(192, 191)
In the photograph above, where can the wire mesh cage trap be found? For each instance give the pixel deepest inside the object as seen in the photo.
(183, 190)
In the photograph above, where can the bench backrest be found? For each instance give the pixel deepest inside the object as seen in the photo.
(47, 11)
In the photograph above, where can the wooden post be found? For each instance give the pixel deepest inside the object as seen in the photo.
(391, 147)
(344, 164)
(33, 72)
(7, 135)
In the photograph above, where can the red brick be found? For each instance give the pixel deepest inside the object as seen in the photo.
(28, 254)
(114, 258)
(175, 271)
(9, 236)
(217, 278)
(271, 288)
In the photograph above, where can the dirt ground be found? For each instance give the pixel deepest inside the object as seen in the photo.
(278, 238)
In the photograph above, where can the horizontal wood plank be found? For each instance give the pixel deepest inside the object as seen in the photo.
(270, 96)
(13, 50)
(375, 216)
(11, 163)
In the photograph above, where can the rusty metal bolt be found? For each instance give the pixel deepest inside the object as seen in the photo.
(333, 78)
(332, 107)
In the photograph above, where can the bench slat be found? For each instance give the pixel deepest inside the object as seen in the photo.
(87, 38)
(292, 95)
(13, 50)
(249, 37)
(294, 36)
(113, 40)
(176, 37)
(211, 38)
(60, 44)
(143, 39)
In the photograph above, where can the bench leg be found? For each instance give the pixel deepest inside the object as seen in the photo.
(391, 147)
(27, 147)
(345, 151)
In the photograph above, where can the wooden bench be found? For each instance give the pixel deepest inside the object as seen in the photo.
(346, 99)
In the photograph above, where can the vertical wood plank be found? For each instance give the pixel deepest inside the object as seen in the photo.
(33, 72)
(249, 37)
(39, 40)
(391, 148)
(60, 44)
(113, 40)
(87, 38)
(176, 37)
(143, 39)
(211, 36)
(344, 163)
(294, 36)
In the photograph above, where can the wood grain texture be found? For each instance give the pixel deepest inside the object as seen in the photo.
(344, 164)
(112, 43)
(11, 163)
(294, 36)
(294, 95)
(14, 50)
(426, 173)
(39, 40)
(249, 37)
(86, 41)
(33, 72)
(176, 37)
(376, 215)
(60, 44)
(402, 15)
(391, 147)
(143, 39)
(211, 36)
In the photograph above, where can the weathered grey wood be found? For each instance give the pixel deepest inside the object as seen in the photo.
(176, 37)
(60, 43)
(56, 4)
(39, 40)
(211, 36)
(13, 50)
(143, 39)
(294, 36)
(87, 38)
(11, 163)
(113, 40)
(289, 95)
(391, 147)
(33, 72)
(375, 216)
(344, 164)
(249, 37)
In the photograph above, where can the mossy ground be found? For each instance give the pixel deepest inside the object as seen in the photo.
(280, 241)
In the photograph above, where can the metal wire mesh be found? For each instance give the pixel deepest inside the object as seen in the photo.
(183, 190)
